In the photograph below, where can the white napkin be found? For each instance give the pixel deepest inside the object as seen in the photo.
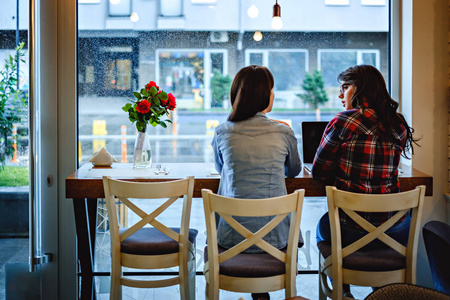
(102, 158)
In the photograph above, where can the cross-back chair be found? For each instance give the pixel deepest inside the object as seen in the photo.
(151, 247)
(232, 270)
(374, 267)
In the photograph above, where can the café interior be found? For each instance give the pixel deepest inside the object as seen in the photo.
(420, 79)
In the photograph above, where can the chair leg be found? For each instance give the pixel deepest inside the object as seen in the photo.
(187, 276)
(290, 284)
(116, 288)
(212, 291)
(322, 295)
(184, 281)
(191, 282)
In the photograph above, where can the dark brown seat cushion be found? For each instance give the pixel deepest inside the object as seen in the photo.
(250, 264)
(151, 241)
(385, 259)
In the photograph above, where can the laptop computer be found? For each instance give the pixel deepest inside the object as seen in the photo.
(312, 132)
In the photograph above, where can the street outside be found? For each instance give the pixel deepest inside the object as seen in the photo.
(100, 124)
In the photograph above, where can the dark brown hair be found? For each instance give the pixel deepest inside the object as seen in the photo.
(250, 92)
(371, 91)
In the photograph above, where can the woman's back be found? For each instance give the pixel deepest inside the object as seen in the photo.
(253, 156)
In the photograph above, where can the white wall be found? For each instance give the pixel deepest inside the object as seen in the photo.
(298, 15)
(425, 54)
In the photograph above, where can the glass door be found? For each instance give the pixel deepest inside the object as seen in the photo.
(14, 142)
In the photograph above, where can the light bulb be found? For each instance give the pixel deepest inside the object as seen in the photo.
(134, 17)
(257, 36)
(253, 11)
(277, 24)
(114, 2)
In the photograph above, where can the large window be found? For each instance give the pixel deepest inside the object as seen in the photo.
(192, 49)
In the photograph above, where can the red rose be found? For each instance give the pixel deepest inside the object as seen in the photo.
(172, 103)
(143, 106)
(149, 85)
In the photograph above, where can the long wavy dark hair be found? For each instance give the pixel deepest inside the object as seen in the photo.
(371, 92)
(250, 92)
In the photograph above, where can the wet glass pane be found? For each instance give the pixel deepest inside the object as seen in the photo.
(289, 68)
(334, 62)
(190, 49)
(256, 59)
(14, 142)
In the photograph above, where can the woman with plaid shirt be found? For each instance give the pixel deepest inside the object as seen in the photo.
(360, 151)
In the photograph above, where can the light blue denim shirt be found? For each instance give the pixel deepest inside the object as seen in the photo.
(253, 157)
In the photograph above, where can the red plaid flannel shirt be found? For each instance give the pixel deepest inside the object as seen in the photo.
(354, 157)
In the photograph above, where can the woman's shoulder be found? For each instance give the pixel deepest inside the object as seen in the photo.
(348, 114)
(344, 117)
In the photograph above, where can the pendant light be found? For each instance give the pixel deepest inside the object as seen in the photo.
(277, 24)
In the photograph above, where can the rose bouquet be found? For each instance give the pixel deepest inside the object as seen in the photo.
(150, 105)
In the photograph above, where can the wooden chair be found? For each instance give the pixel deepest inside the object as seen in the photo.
(377, 267)
(231, 270)
(155, 247)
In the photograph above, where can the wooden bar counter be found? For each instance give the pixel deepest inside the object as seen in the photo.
(85, 186)
(87, 182)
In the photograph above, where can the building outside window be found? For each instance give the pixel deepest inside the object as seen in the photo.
(182, 45)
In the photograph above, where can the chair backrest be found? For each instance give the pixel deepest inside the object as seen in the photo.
(436, 236)
(227, 207)
(351, 203)
(125, 190)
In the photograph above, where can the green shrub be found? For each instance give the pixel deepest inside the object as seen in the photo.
(314, 88)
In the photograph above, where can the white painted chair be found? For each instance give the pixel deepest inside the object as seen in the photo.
(374, 267)
(155, 247)
(231, 270)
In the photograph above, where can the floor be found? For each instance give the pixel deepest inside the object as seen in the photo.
(16, 250)
(12, 251)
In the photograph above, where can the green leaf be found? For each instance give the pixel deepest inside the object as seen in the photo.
(162, 124)
(153, 90)
(127, 107)
(163, 96)
(170, 121)
(137, 95)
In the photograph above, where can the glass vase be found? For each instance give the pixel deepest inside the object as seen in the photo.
(142, 155)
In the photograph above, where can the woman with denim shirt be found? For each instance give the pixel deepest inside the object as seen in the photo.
(254, 154)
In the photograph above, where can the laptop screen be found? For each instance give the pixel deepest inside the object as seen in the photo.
(312, 132)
